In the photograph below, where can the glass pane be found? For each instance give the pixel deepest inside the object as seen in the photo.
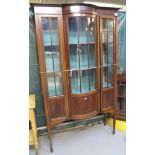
(72, 28)
(110, 37)
(110, 24)
(110, 76)
(74, 62)
(47, 38)
(56, 58)
(104, 55)
(48, 61)
(91, 25)
(83, 49)
(84, 81)
(54, 23)
(58, 81)
(55, 38)
(104, 77)
(83, 30)
(104, 24)
(92, 55)
(110, 54)
(45, 23)
(51, 84)
(92, 79)
(75, 82)
(104, 37)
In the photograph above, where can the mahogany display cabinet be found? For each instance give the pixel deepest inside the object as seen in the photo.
(77, 50)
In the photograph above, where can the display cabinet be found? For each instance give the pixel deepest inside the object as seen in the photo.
(77, 61)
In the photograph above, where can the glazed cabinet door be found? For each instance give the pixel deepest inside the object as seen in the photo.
(52, 66)
(108, 61)
(82, 72)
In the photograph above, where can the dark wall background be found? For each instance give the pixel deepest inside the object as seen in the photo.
(34, 80)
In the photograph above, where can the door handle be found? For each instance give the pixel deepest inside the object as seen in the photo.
(70, 74)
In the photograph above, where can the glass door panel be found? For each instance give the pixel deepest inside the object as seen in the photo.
(104, 24)
(47, 38)
(74, 57)
(104, 37)
(72, 30)
(84, 81)
(81, 38)
(51, 84)
(110, 24)
(58, 82)
(50, 31)
(55, 38)
(110, 76)
(110, 54)
(54, 24)
(91, 25)
(48, 61)
(83, 50)
(83, 30)
(92, 62)
(45, 24)
(56, 58)
(105, 77)
(110, 37)
(107, 52)
(104, 55)
(75, 82)
(92, 79)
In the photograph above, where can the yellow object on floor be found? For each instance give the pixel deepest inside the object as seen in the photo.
(120, 125)
(33, 140)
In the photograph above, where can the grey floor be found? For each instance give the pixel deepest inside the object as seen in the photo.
(92, 140)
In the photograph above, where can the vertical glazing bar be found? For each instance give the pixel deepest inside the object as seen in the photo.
(52, 54)
(88, 53)
(107, 52)
(77, 22)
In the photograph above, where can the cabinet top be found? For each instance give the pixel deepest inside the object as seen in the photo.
(72, 8)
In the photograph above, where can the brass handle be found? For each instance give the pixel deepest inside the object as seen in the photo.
(85, 98)
(70, 74)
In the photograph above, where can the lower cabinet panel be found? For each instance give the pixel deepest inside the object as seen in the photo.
(84, 105)
(107, 100)
(57, 107)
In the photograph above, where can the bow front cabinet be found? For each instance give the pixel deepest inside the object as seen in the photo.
(77, 49)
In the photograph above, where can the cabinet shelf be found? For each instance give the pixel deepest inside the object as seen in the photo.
(107, 65)
(82, 43)
(121, 96)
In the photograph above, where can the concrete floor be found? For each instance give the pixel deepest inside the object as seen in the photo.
(93, 140)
